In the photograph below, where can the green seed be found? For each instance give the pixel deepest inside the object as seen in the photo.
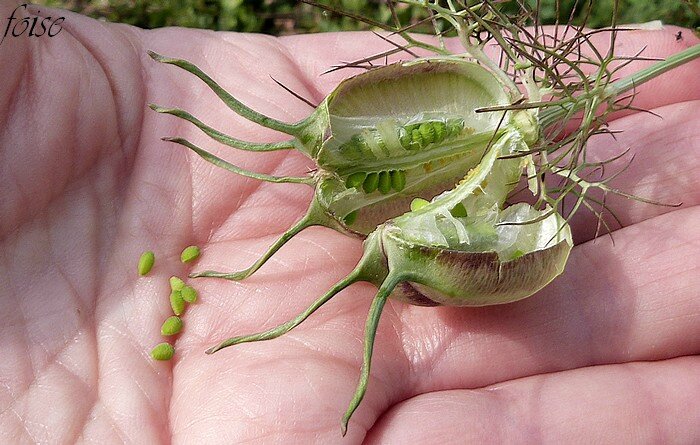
(355, 180)
(351, 150)
(190, 253)
(398, 180)
(417, 139)
(171, 326)
(189, 294)
(176, 283)
(380, 143)
(440, 131)
(371, 183)
(163, 351)
(177, 302)
(459, 211)
(146, 262)
(358, 141)
(384, 185)
(405, 138)
(418, 204)
(350, 218)
(427, 132)
(455, 126)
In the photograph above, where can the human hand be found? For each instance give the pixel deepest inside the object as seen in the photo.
(606, 353)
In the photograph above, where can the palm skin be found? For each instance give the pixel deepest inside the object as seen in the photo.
(607, 353)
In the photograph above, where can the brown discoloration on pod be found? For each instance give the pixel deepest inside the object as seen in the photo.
(406, 292)
(457, 278)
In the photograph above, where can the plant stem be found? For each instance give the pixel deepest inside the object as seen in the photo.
(653, 71)
(552, 115)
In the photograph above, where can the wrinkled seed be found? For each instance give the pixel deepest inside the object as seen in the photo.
(146, 262)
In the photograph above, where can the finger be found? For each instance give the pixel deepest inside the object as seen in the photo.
(628, 403)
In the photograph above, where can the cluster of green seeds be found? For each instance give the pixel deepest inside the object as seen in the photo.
(371, 144)
(411, 137)
(383, 181)
(419, 136)
(180, 295)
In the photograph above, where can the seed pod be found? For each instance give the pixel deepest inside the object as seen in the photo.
(177, 303)
(428, 257)
(434, 120)
(163, 351)
(176, 283)
(146, 262)
(348, 143)
(189, 254)
(189, 294)
(171, 326)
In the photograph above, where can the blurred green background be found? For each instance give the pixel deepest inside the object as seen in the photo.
(281, 17)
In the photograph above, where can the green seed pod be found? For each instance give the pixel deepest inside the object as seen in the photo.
(176, 283)
(163, 351)
(177, 302)
(189, 294)
(146, 262)
(435, 120)
(425, 256)
(171, 326)
(428, 257)
(357, 129)
(189, 254)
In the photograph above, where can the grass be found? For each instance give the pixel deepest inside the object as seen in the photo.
(280, 17)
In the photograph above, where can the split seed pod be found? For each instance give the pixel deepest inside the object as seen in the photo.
(393, 146)
(380, 139)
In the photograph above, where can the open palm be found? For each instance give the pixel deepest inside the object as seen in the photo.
(608, 352)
